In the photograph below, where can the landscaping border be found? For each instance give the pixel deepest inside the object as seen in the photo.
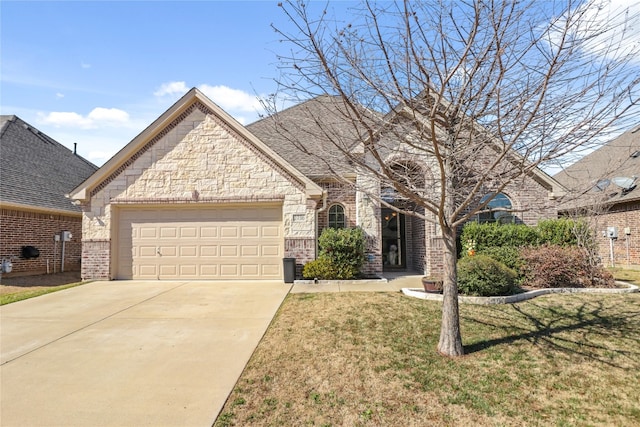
(510, 299)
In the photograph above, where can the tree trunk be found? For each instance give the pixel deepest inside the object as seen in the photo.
(450, 340)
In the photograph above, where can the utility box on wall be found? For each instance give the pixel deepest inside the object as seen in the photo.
(612, 232)
(66, 236)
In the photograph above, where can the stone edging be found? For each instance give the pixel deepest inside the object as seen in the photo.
(510, 299)
(341, 282)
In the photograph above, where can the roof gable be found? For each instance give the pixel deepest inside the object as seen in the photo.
(194, 99)
(591, 178)
(36, 171)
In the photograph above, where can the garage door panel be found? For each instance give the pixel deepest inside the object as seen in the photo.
(168, 251)
(188, 251)
(229, 232)
(212, 243)
(188, 270)
(209, 270)
(270, 231)
(270, 250)
(250, 270)
(248, 232)
(168, 232)
(269, 270)
(187, 232)
(169, 270)
(147, 251)
(208, 251)
(148, 271)
(208, 231)
(229, 270)
(252, 250)
(147, 232)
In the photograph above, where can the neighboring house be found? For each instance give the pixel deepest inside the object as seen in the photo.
(603, 187)
(199, 196)
(35, 174)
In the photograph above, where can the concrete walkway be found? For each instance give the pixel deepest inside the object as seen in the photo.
(130, 353)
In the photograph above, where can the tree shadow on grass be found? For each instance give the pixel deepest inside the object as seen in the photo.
(599, 330)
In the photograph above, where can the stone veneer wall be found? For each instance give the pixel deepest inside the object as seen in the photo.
(196, 159)
(26, 228)
(368, 218)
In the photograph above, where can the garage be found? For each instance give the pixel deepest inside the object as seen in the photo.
(243, 242)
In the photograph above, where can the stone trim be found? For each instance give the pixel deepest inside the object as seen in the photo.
(204, 109)
(207, 200)
(510, 299)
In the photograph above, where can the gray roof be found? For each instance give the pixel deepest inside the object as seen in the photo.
(591, 179)
(295, 134)
(36, 170)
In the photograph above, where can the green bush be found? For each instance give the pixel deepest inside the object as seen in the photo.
(321, 268)
(564, 232)
(498, 235)
(481, 275)
(342, 254)
(508, 255)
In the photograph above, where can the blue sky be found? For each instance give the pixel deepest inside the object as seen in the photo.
(97, 73)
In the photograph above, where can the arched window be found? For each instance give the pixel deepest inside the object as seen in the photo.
(498, 210)
(336, 217)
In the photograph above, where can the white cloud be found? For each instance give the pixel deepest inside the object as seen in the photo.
(59, 95)
(620, 22)
(232, 99)
(97, 118)
(171, 88)
(85, 65)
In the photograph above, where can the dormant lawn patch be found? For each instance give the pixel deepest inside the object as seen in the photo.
(370, 359)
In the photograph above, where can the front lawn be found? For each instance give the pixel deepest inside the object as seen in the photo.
(369, 359)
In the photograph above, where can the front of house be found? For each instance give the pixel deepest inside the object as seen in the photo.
(199, 196)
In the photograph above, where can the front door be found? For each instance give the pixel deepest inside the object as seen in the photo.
(393, 240)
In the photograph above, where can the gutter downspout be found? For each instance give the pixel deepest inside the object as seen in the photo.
(325, 194)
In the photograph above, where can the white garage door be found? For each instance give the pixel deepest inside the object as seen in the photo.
(188, 243)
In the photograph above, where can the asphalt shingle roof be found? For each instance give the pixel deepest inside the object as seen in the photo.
(296, 135)
(35, 169)
(618, 158)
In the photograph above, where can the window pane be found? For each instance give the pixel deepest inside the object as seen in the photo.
(498, 210)
(336, 217)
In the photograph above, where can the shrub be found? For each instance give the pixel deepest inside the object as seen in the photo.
(321, 268)
(508, 255)
(564, 232)
(341, 255)
(484, 276)
(344, 246)
(498, 235)
(554, 266)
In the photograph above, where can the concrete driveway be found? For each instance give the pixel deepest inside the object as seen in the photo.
(130, 353)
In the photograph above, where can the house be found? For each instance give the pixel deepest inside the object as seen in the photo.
(199, 196)
(35, 174)
(603, 186)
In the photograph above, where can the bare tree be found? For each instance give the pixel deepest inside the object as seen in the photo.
(450, 101)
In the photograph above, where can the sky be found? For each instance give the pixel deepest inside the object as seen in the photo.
(97, 73)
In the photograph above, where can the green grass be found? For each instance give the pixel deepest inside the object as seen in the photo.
(627, 275)
(363, 359)
(31, 293)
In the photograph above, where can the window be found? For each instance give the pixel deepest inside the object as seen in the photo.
(498, 210)
(336, 217)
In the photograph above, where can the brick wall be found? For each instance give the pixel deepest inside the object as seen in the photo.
(303, 250)
(338, 192)
(625, 215)
(23, 228)
(95, 259)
